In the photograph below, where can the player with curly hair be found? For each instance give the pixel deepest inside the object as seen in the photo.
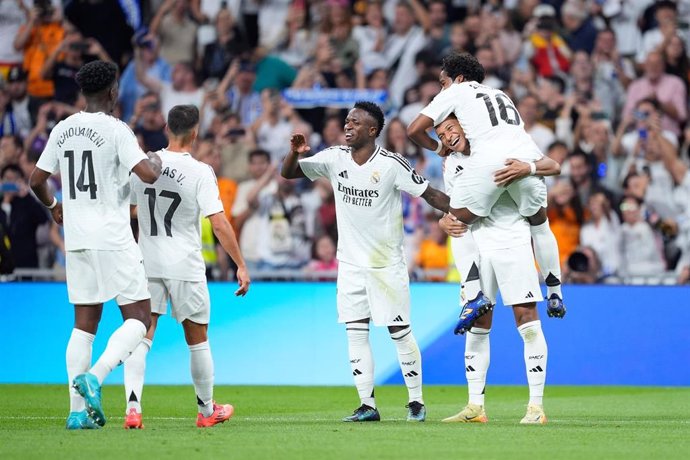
(94, 153)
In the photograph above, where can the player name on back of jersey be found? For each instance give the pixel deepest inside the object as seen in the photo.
(172, 173)
(81, 131)
(356, 196)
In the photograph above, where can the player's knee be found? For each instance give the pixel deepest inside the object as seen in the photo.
(539, 218)
(194, 333)
(525, 313)
(89, 325)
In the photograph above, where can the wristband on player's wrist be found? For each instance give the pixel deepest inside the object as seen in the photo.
(53, 204)
(439, 147)
(532, 168)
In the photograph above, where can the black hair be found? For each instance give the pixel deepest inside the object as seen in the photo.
(16, 140)
(260, 153)
(654, 102)
(182, 119)
(13, 168)
(96, 77)
(374, 111)
(558, 81)
(628, 178)
(456, 64)
(555, 144)
(666, 4)
(581, 154)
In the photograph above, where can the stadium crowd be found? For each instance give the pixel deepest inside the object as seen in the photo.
(601, 85)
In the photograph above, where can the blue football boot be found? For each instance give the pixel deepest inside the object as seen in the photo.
(555, 307)
(364, 413)
(416, 412)
(81, 421)
(471, 312)
(88, 387)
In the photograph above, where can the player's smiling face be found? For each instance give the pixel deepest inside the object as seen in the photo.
(450, 133)
(359, 128)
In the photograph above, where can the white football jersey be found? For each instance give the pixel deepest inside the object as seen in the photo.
(368, 203)
(490, 120)
(94, 154)
(503, 228)
(170, 212)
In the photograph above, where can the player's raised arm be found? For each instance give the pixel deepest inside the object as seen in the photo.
(417, 132)
(149, 170)
(291, 168)
(226, 236)
(516, 169)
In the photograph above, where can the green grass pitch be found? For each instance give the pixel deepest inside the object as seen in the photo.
(303, 422)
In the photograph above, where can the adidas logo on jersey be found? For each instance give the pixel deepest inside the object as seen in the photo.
(398, 319)
(458, 168)
(529, 295)
(343, 174)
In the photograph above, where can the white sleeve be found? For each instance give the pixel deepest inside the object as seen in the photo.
(318, 165)
(208, 195)
(49, 159)
(240, 204)
(407, 179)
(133, 179)
(127, 146)
(441, 106)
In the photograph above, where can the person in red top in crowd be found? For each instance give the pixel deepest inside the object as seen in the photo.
(545, 49)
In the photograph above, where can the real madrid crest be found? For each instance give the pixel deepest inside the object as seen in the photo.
(375, 177)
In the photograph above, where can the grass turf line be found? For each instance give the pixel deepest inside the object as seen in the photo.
(303, 422)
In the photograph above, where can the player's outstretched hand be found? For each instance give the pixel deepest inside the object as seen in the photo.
(243, 280)
(57, 213)
(452, 226)
(298, 143)
(154, 157)
(514, 170)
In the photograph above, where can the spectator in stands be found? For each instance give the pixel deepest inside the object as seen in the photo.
(229, 44)
(581, 176)
(21, 104)
(148, 123)
(545, 49)
(401, 48)
(612, 74)
(21, 215)
(11, 150)
(338, 26)
(146, 46)
(676, 59)
(182, 90)
(300, 41)
(439, 30)
(495, 76)
(550, 92)
(579, 27)
(640, 247)
(666, 16)
(13, 15)
(323, 255)
(528, 106)
(249, 193)
(237, 85)
(332, 133)
(602, 232)
(583, 267)
(227, 188)
(176, 31)
(38, 38)
(433, 250)
(669, 90)
(235, 145)
(566, 217)
(272, 130)
(371, 37)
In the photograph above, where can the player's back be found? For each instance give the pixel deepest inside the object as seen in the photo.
(489, 119)
(94, 154)
(169, 213)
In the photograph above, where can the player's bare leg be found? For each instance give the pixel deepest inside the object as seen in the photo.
(78, 360)
(410, 359)
(122, 342)
(536, 354)
(546, 252)
(201, 364)
(135, 368)
(362, 365)
(477, 358)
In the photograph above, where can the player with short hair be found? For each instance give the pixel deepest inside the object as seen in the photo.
(94, 153)
(495, 137)
(506, 263)
(169, 214)
(373, 282)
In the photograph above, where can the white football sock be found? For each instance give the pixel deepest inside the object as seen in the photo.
(410, 362)
(467, 261)
(201, 364)
(120, 345)
(361, 361)
(546, 252)
(78, 359)
(477, 357)
(135, 367)
(536, 354)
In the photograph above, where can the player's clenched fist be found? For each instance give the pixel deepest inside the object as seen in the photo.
(298, 143)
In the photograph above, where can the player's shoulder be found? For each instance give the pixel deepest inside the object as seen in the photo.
(339, 150)
(393, 159)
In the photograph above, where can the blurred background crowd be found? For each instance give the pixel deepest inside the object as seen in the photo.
(602, 86)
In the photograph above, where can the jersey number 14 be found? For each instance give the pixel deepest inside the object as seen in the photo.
(86, 182)
(504, 106)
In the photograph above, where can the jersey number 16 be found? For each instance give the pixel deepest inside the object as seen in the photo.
(504, 106)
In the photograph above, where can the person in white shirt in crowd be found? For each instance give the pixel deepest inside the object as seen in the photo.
(666, 16)
(612, 74)
(272, 130)
(602, 232)
(176, 31)
(641, 253)
(372, 38)
(528, 106)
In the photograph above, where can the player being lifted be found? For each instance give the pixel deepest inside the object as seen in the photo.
(169, 214)
(505, 263)
(94, 154)
(494, 137)
(373, 283)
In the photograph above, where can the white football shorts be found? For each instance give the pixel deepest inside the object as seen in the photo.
(476, 190)
(95, 276)
(188, 299)
(513, 272)
(382, 294)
